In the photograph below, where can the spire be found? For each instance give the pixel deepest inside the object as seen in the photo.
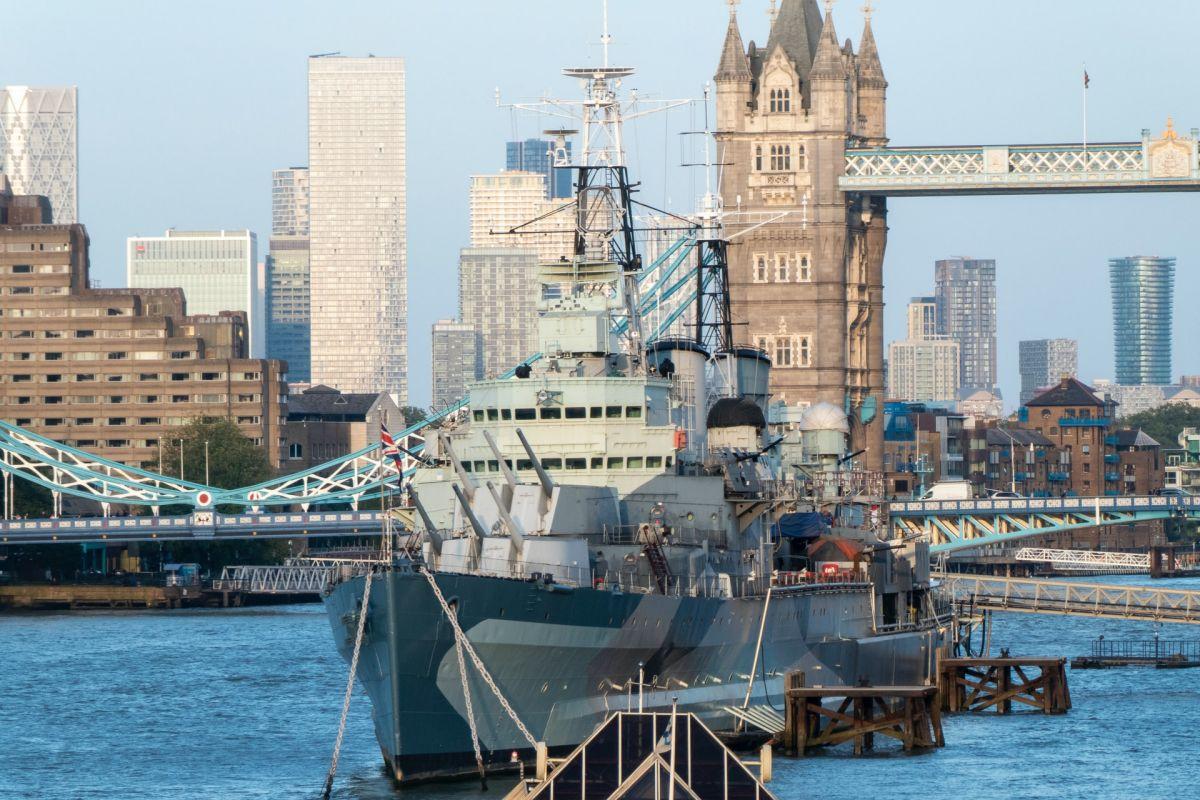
(828, 61)
(734, 65)
(870, 69)
(796, 29)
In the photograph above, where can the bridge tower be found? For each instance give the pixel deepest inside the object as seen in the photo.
(806, 261)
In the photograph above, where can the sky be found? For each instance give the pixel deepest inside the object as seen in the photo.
(186, 108)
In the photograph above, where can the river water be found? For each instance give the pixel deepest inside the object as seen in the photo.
(244, 704)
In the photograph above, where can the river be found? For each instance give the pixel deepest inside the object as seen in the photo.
(244, 703)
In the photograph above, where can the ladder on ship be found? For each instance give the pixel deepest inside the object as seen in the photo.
(652, 548)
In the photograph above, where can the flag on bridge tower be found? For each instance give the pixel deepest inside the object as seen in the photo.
(1086, 80)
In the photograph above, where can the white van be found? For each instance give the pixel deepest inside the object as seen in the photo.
(949, 490)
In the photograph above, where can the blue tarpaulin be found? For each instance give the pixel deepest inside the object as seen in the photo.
(799, 525)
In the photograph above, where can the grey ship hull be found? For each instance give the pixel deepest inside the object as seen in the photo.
(563, 657)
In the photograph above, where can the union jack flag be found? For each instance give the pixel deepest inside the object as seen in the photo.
(389, 446)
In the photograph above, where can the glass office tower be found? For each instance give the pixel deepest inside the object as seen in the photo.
(1142, 297)
(39, 146)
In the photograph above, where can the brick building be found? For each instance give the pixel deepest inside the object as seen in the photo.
(111, 371)
(1080, 425)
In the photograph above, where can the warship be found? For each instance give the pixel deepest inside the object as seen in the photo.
(625, 520)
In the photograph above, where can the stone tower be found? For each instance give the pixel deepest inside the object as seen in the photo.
(806, 276)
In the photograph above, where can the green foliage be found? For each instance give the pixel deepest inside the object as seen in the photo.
(412, 415)
(1165, 423)
(233, 460)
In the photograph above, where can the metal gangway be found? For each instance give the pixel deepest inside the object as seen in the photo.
(290, 578)
(1110, 601)
(1087, 560)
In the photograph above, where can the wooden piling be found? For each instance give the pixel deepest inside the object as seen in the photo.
(995, 684)
(909, 714)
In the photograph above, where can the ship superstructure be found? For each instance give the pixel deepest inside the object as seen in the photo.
(618, 508)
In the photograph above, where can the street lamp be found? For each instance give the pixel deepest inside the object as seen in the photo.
(207, 482)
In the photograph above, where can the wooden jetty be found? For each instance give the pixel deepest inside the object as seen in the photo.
(995, 684)
(82, 596)
(908, 714)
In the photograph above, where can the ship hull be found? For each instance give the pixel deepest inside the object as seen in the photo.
(564, 658)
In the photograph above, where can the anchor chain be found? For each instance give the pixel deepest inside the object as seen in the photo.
(462, 675)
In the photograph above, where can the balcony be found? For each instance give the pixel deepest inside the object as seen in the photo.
(1112, 476)
(1058, 477)
(1084, 422)
(1110, 440)
(1025, 476)
(1112, 458)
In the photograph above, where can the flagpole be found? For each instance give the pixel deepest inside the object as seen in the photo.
(1085, 116)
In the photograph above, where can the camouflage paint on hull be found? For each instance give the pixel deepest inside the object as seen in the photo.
(563, 657)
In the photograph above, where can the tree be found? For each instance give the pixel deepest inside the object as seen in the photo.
(413, 415)
(1165, 423)
(233, 461)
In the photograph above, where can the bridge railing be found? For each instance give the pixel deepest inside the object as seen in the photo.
(1045, 504)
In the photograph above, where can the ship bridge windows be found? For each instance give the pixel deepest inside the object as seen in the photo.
(477, 415)
(493, 414)
(576, 463)
(552, 463)
(596, 412)
(654, 462)
(597, 462)
(633, 412)
(612, 412)
(521, 414)
(635, 462)
(616, 462)
(550, 413)
(576, 412)
(506, 413)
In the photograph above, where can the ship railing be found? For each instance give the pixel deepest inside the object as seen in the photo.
(673, 534)
(807, 578)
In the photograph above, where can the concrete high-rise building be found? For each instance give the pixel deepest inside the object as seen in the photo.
(113, 371)
(807, 286)
(288, 311)
(39, 145)
(357, 216)
(455, 360)
(497, 297)
(965, 289)
(505, 201)
(924, 367)
(1045, 362)
(217, 270)
(534, 155)
(923, 370)
(1143, 302)
(289, 202)
(922, 318)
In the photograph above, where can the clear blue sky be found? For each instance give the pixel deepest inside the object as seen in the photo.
(185, 108)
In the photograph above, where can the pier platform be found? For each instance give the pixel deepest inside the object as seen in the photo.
(83, 596)
(995, 684)
(909, 714)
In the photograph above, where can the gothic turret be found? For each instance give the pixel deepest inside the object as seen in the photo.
(828, 79)
(872, 88)
(733, 78)
(796, 29)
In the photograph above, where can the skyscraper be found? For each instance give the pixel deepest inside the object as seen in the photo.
(217, 270)
(922, 318)
(1142, 297)
(965, 290)
(39, 146)
(357, 210)
(455, 360)
(925, 366)
(497, 297)
(533, 155)
(1045, 362)
(505, 201)
(288, 285)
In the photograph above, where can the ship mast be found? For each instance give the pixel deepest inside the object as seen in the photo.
(604, 230)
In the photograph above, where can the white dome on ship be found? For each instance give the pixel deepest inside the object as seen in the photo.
(824, 417)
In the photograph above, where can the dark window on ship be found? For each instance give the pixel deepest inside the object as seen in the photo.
(493, 466)
(668, 462)
(633, 412)
(576, 463)
(597, 462)
(597, 412)
(635, 462)
(654, 462)
(551, 413)
(477, 415)
(506, 413)
(524, 463)
(615, 462)
(526, 413)
(479, 466)
(466, 466)
(493, 414)
(612, 412)
(552, 463)
(576, 412)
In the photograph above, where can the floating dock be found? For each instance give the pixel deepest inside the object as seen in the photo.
(1160, 653)
(84, 596)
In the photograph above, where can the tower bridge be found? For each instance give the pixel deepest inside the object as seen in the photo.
(801, 127)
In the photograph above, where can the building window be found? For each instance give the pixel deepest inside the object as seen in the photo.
(803, 268)
(781, 157)
(758, 158)
(800, 156)
(783, 267)
(783, 351)
(295, 451)
(760, 268)
(780, 101)
(787, 350)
